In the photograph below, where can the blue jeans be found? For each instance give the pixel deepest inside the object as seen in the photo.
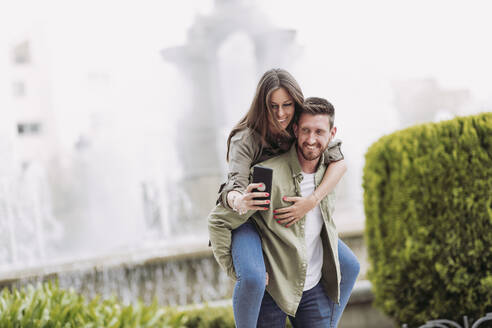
(315, 311)
(249, 292)
(247, 257)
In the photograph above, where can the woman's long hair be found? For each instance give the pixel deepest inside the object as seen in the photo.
(260, 115)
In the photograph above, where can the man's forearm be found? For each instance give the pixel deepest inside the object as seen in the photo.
(332, 176)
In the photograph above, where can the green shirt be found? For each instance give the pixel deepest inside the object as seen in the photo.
(284, 248)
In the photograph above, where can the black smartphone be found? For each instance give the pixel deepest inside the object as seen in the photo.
(263, 175)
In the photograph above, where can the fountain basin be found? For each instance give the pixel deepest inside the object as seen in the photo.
(177, 273)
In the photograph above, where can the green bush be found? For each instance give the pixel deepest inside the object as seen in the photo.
(220, 317)
(428, 206)
(49, 306)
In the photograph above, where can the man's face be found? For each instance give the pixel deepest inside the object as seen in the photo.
(313, 135)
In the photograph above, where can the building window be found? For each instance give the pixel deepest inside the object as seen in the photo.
(24, 129)
(19, 89)
(22, 53)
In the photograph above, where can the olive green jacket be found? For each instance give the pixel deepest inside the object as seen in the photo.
(246, 150)
(284, 248)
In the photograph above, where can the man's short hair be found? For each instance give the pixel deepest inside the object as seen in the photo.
(316, 106)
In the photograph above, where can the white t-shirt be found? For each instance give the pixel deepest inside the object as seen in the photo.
(312, 228)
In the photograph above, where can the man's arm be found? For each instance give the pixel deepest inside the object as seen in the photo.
(221, 222)
(332, 176)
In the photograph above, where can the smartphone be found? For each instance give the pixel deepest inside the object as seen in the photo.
(263, 175)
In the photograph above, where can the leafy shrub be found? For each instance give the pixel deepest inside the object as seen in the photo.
(217, 317)
(428, 206)
(49, 306)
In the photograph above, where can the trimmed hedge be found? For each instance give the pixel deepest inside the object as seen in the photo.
(428, 206)
(49, 306)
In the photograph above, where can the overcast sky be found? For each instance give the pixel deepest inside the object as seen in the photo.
(448, 39)
(351, 49)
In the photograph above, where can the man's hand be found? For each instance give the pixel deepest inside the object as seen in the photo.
(241, 203)
(266, 283)
(289, 215)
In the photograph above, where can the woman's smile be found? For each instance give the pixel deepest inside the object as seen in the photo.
(282, 106)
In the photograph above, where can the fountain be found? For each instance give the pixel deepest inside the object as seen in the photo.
(161, 250)
(27, 218)
(198, 61)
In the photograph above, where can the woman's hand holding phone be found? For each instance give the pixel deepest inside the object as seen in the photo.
(245, 202)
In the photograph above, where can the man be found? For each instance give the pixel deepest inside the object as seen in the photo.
(301, 260)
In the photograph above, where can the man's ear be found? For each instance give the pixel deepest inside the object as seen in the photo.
(295, 127)
(333, 131)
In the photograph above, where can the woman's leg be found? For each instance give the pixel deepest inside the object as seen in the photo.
(247, 256)
(349, 268)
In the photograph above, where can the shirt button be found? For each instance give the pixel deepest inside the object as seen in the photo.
(304, 265)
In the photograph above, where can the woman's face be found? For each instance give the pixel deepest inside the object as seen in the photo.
(283, 107)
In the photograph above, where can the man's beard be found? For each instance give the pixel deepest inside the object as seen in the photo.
(311, 155)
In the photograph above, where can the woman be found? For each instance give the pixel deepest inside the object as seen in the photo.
(266, 131)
